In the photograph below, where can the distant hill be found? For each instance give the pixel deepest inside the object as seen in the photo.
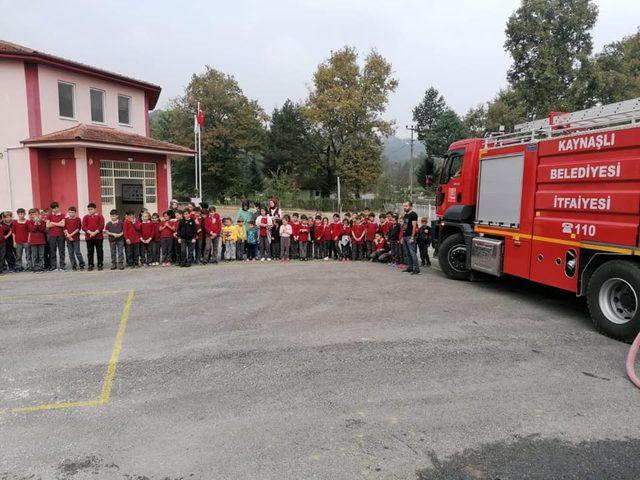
(398, 150)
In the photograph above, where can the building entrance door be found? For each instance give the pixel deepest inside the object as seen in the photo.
(127, 186)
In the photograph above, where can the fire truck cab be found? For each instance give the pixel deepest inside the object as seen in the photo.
(556, 202)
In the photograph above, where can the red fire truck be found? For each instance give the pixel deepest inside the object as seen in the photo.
(556, 202)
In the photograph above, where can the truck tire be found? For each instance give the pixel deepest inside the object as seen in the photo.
(613, 294)
(452, 256)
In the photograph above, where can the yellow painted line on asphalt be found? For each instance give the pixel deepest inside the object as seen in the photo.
(109, 376)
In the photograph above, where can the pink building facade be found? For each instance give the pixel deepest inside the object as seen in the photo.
(78, 134)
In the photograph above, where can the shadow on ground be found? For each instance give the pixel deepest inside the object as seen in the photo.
(532, 458)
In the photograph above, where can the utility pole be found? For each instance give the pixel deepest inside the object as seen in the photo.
(411, 129)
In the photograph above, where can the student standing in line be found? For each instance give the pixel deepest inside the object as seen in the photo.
(358, 233)
(372, 229)
(147, 229)
(318, 236)
(212, 228)
(199, 247)
(345, 240)
(5, 233)
(241, 231)
(285, 238)
(252, 242)
(423, 239)
(131, 231)
(264, 224)
(167, 230)
(294, 251)
(72, 227)
(37, 239)
(336, 234)
(21, 241)
(10, 253)
(303, 237)
(115, 233)
(55, 225)
(155, 244)
(186, 238)
(230, 237)
(177, 249)
(326, 238)
(275, 238)
(93, 226)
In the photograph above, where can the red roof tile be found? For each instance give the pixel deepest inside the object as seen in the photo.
(8, 49)
(108, 136)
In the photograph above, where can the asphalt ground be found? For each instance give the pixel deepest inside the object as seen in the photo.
(317, 370)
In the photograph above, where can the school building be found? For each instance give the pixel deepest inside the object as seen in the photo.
(76, 134)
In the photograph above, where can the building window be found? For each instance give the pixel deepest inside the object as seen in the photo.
(97, 105)
(124, 109)
(66, 100)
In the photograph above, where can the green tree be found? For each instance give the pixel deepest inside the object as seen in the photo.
(475, 121)
(345, 106)
(618, 70)
(427, 111)
(292, 145)
(550, 43)
(232, 134)
(447, 128)
(425, 168)
(506, 109)
(256, 179)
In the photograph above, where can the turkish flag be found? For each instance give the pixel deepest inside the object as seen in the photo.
(200, 116)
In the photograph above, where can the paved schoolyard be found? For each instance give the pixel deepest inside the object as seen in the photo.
(316, 370)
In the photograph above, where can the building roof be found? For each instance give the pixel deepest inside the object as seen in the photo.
(105, 137)
(19, 52)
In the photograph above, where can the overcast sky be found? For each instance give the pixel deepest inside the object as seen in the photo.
(272, 47)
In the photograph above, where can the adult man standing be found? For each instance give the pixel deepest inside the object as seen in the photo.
(409, 231)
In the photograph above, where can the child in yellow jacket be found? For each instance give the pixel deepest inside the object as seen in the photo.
(229, 237)
(242, 237)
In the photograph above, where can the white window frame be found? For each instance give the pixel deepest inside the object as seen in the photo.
(130, 109)
(73, 100)
(104, 106)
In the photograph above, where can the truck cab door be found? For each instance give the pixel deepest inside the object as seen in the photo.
(450, 186)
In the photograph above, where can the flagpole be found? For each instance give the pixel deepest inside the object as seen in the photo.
(200, 160)
(195, 146)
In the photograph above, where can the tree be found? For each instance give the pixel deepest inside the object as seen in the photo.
(475, 121)
(447, 128)
(256, 182)
(618, 70)
(550, 42)
(292, 145)
(232, 134)
(427, 111)
(345, 106)
(506, 109)
(426, 167)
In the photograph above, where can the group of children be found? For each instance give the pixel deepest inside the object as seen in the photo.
(196, 235)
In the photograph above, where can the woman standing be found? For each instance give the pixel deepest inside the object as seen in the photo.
(274, 208)
(245, 214)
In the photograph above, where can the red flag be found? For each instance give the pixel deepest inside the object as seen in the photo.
(200, 115)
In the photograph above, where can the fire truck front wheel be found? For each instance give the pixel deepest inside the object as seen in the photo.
(452, 256)
(613, 296)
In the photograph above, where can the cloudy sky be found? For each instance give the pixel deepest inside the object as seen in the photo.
(272, 47)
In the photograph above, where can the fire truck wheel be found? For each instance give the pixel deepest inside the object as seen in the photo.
(452, 255)
(612, 295)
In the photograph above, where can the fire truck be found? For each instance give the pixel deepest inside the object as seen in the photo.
(557, 202)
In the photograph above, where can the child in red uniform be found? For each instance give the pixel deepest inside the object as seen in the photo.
(21, 241)
(212, 230)
(303, 237)
(318, 242)
(358, 232)
(336, 233)
(326, 238)
(5, 233)
(72, 227)
(155, 244)
(345, 240)
(380, 249)
(166, 229)
(383, 226)
(55, 224)
(371, 228)
(147, 229)
(93, 226)
(131, 230)
(37, 239)
(295, 229)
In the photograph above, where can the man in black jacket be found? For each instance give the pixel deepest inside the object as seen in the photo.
(186, 238)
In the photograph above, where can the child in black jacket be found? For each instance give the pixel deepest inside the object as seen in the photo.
(424, 241)
(186, 238)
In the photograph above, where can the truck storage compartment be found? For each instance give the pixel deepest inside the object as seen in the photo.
(486, 255)
(500, 190)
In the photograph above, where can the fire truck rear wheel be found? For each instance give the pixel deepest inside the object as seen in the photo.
(452, 256)
(613, 296)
